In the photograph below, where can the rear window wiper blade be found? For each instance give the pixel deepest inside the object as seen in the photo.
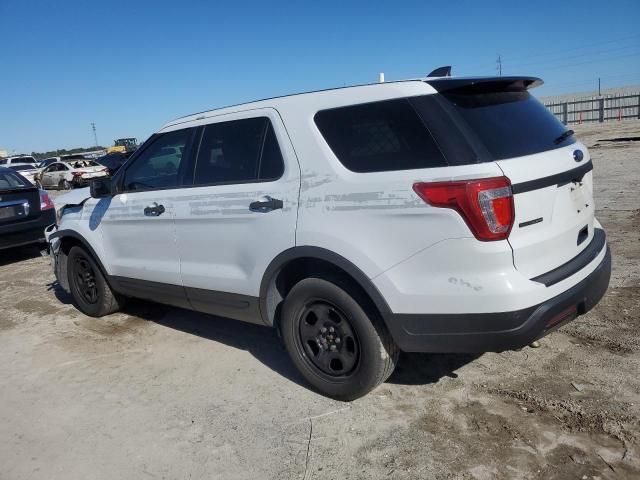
(563, 136)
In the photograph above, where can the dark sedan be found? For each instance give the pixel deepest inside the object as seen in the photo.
(25, 211)
(113, 161)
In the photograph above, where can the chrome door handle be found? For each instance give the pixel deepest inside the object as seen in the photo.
(154, 210)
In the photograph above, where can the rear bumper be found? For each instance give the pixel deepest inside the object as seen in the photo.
(25, 233)
(495, 332)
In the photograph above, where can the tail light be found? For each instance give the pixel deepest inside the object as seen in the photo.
(77, 174)
(486, 205)
(45, 201)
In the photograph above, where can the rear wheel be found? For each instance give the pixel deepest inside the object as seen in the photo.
(64, 185)
(89, 289)
(336, 342)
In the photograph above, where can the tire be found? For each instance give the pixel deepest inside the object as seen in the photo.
(90, 292)
(355, 352)
(65, 185)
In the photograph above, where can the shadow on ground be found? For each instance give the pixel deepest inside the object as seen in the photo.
(19, 254)
(425, 368)
(265, 345)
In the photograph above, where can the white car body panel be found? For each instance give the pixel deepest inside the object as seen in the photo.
(564, 210)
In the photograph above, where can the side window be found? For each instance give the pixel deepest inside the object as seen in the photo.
(52, 168)
(238, 151)
(3, 162)
(158, 166)
(271, 163)
(379, 137)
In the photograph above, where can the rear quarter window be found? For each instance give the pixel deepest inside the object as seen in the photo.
(379, 137)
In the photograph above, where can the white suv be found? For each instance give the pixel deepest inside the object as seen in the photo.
(434, 215)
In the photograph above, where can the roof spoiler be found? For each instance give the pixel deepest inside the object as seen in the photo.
(484, 84)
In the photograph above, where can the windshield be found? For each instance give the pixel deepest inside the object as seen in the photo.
(23, 160)
(509, 124)
(19, 168)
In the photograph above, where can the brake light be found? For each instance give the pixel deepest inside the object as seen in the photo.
(45, 201)
(486, 205)
(77, 174)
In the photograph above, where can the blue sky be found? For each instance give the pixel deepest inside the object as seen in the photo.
(132, 66)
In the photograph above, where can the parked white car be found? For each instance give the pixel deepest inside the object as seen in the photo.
(17, 160)
(67, 175)
(27, 170)
(433, 215)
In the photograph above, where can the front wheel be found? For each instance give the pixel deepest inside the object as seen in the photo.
(338, 344)
(91, 294)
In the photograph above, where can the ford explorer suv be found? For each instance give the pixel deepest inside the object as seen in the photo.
(434, 215)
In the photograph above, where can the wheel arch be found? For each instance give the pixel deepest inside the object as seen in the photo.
(69, 239)
(296, 263)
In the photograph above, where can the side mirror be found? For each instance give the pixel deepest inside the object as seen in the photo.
(101, 187)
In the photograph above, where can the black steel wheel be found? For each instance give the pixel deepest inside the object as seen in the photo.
(328, 341)
(91, 294)
(336, 339)
(84, 279)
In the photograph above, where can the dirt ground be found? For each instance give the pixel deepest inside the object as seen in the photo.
(158, 392)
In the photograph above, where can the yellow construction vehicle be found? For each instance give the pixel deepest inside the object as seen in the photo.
(123, 145)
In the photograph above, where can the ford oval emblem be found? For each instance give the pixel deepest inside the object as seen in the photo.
(578, 155)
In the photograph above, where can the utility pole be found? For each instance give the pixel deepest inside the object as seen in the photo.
(599, 94)
(499, 61)
(95, 135)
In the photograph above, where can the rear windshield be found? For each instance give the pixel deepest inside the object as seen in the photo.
(81, 163)
(18, 168)
(508, 124)
(9, 181)
(24, 160)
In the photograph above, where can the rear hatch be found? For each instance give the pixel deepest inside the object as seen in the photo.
(19, 200)
(549, 170)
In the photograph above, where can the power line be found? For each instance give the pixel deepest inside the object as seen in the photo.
(587, 62)
(515, 53)
(564, 58)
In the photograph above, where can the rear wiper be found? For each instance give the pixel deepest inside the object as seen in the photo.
(563, 136)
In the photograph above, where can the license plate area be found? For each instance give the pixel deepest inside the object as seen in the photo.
(14, 210)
